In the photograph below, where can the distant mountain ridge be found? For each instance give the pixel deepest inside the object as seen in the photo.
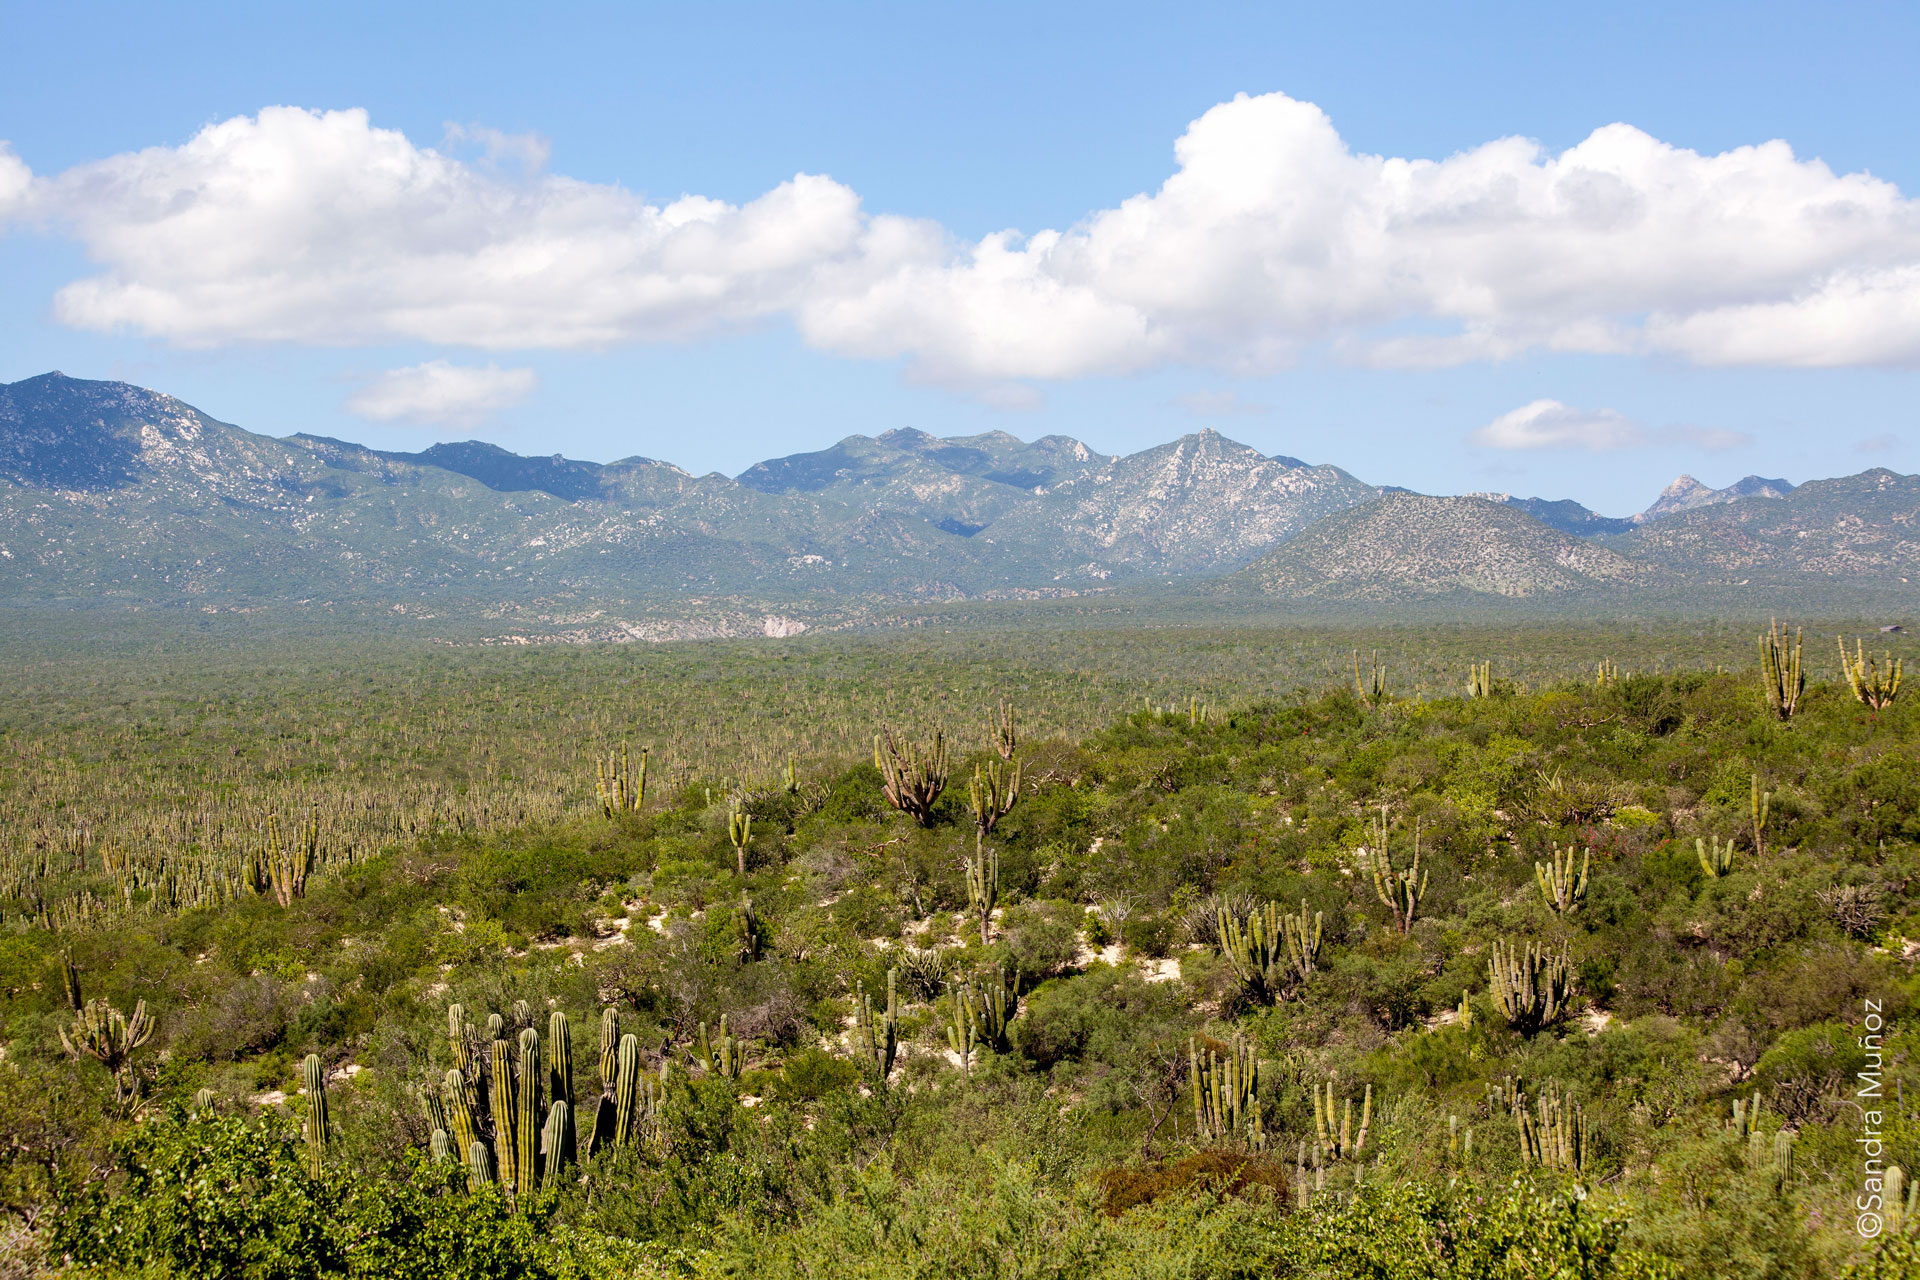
(114, 492)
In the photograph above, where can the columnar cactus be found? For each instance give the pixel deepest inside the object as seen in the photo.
(1480, 680)
(725, 1056)
(991, 795)
(556, 1141)
(1555, 1134)
(479, 1166)
(1226, 1091)
(621, 786)
(1341, 1143)
(1605, 673)
(626, 1088)
(980, 1015)
(1872, 687)
(1564, 891)
(751, 933)
(101, 1032)
(440, 1146)
(1400, 890)
(876, 1041)
(1760, 811)
(1372, 688)
(1716, 859)
(983, 887)
(914, 776)
(605, 1114)
(460, 1113)
(1780, 672)
(560, 1145)
(319, 1131)
(740, 833)
(501, 1093)
(1002, 731)
(1532, 987)
(527, 1114)
(1255, 950)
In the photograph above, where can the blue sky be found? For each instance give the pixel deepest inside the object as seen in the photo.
(956, 124)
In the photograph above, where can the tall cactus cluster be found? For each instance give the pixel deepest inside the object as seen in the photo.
(913, 775)
(1226, 1092)
(101, 1032)
(1270, 951)
(1554, 1132)
(1341, 1141)
(1532, 986)
(280, 866)
(723, 1055)
(749, 930)
(1780, 673)
(1480, 680)
(978, 1016)
(506, 1108)
(1399, 888)
(1875, 684)
(1564, 890)
(1371, 686)
(621, 783)
(876, 1040)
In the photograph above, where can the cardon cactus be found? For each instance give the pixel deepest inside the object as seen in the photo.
(527, 1114)
(501, 1093)
(319, 1130)
(626, 1089)
(560, 1086)
(1533, 986)
(1564, 891)
(1226, 1091)
(876, 1041)
(1342, 1142)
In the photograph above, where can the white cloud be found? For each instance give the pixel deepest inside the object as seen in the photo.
(1270, 235)
(529, 151)
(441, 393)
(15, 179)
(1885, 442)
(1216, 404)
(1549, 424)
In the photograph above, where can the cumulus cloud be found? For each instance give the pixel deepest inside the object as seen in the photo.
(442, 394)
(1269, 236)
(1549, 424)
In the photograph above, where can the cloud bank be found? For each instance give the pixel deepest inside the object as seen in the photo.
(1271, 236)
(440, 393)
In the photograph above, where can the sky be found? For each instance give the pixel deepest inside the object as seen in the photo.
(1564, 251)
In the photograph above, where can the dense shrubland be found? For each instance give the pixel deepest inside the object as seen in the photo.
(1536, 978)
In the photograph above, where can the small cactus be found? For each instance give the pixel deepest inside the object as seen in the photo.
(1780, 672)
(1716, 859)
(725, 1056)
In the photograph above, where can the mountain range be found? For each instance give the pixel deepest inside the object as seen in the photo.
(111, 492)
